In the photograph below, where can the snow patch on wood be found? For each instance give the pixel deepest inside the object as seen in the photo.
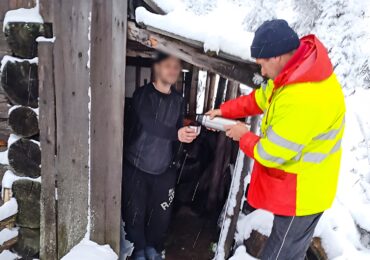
(26, 15)
(87, 249)
(7, 255)
(9, 209)
(12, 59)
(7, 234)
(215, 33)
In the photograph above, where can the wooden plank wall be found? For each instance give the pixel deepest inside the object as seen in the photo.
(47, 121)
(71, 28)
(108, 48)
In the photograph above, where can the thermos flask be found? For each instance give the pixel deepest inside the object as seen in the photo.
(216, 123)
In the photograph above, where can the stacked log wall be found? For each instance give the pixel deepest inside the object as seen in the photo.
(20, 154)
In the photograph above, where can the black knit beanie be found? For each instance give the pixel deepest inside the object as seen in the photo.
(274, 38)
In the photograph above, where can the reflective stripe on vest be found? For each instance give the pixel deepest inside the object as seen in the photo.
(274, 138)
(319, 157)
(331, 135)
(268, 157)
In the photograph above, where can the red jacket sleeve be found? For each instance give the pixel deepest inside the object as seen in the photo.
(241, 107)
(248, 142)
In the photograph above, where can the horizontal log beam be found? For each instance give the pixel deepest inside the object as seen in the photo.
(242, 72)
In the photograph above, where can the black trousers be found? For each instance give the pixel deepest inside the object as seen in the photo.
(290, 237)
(147, 206)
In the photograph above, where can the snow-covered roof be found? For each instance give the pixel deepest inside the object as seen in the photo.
(228, 26)
(204, 25)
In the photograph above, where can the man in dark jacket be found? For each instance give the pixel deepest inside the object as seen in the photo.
(149, 176)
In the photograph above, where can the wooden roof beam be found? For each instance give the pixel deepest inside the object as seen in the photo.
(242, 72)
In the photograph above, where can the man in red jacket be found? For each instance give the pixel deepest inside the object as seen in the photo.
(297, 156)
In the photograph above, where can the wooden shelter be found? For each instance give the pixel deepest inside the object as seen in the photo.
(82, 74)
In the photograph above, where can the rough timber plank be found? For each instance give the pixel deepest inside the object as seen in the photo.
(193, 91)
(71, 28)
(47, 121)
(242, 72)
(108, 48)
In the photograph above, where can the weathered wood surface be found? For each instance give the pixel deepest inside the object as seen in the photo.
(8, 244)
(28, 244)
(193, 91)
(239, 71)
(71, 28)
(5, 130)
(48, 225)
(8, 222)
(25, 158)
(4, 48)
(24, 121)
(238, 198)
(209, 96)
(20, 83)
(108, 35)
(6, 5)
(27, 193)
(21, 38)
(220, 92)
(232, 90)
(47, 10)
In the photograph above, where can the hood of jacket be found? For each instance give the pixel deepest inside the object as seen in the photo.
(310, 63)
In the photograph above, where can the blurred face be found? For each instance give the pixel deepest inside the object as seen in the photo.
(270, 67)
(168, 70)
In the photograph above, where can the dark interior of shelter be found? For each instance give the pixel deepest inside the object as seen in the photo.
(202, 185)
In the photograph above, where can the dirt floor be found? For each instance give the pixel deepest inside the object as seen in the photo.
(191, 237)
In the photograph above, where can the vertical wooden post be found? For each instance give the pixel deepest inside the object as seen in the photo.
(71, 28)
(232, 89)
(210, 91)
(187, 90)
(233, 218)
(220, 92)
(108, 48)
(47, 10)
(193, 90)
(48, 239)
(21, 3)
(137, 76)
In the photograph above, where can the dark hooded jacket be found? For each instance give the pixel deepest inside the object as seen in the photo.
(154, 120)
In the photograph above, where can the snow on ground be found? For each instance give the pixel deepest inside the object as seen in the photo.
(87, 249)
(241, 254)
